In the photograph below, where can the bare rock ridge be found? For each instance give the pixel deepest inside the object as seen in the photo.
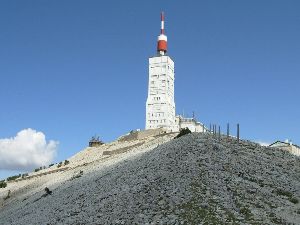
(195, 179)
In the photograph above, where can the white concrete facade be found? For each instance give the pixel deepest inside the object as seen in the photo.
(190, 123)
(288, 146)
(160, 105)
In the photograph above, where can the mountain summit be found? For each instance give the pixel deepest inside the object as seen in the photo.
(156, 179)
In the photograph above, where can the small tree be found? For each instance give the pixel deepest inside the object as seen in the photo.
(13, 177)
(183, 132)
(3, 184)
(24, 175)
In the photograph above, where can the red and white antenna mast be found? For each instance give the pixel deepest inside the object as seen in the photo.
(162, 38)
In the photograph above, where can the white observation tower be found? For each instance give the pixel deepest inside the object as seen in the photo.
(160, 105)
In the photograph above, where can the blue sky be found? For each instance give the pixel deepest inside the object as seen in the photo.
(72, 69)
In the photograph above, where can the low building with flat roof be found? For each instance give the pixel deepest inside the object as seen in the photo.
(288, 146)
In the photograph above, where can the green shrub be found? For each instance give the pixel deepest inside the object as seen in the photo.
(13, 177)
(3, 184)
(67, 162)
(284, 193)
(294, 200)
(51, 165)
(288, 194)
(183, 131)
(59, 165)
(24, 175)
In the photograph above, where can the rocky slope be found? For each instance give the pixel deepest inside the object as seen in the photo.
(195, 179)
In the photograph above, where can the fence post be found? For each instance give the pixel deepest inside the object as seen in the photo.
(216, 132)
(227, 130)
(238, 132)
(210, 128)
(219, 133)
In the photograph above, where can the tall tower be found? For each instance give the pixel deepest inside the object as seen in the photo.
(160, 105)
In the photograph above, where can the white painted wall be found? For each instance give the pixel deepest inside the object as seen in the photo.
(160, 105)
(190, 123)
(295, 150)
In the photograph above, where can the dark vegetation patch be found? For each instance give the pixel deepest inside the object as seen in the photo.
(183, 132)
(40, 168)
(13, 177)
(3, 184)
(287, 194)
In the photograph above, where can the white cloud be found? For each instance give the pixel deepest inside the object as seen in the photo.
(27, 150)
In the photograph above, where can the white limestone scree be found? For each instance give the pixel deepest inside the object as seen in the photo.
(160, 105)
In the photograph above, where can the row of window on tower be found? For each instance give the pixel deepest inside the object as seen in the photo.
(160, 114)
(157, 104)
(162, 81)
(161, 67)
(157, 121)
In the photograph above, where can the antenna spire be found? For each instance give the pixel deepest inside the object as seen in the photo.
(162, 38)
(162, 19)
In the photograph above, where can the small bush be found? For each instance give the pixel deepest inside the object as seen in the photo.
(24, 175)
(294, 200)
(284, 193)
(183, 132)
(287, 194)
(3, 184)
(48, 192)
(40, 168)
(51, 165)
(59, 165)
(67, 162)
(13, 177)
